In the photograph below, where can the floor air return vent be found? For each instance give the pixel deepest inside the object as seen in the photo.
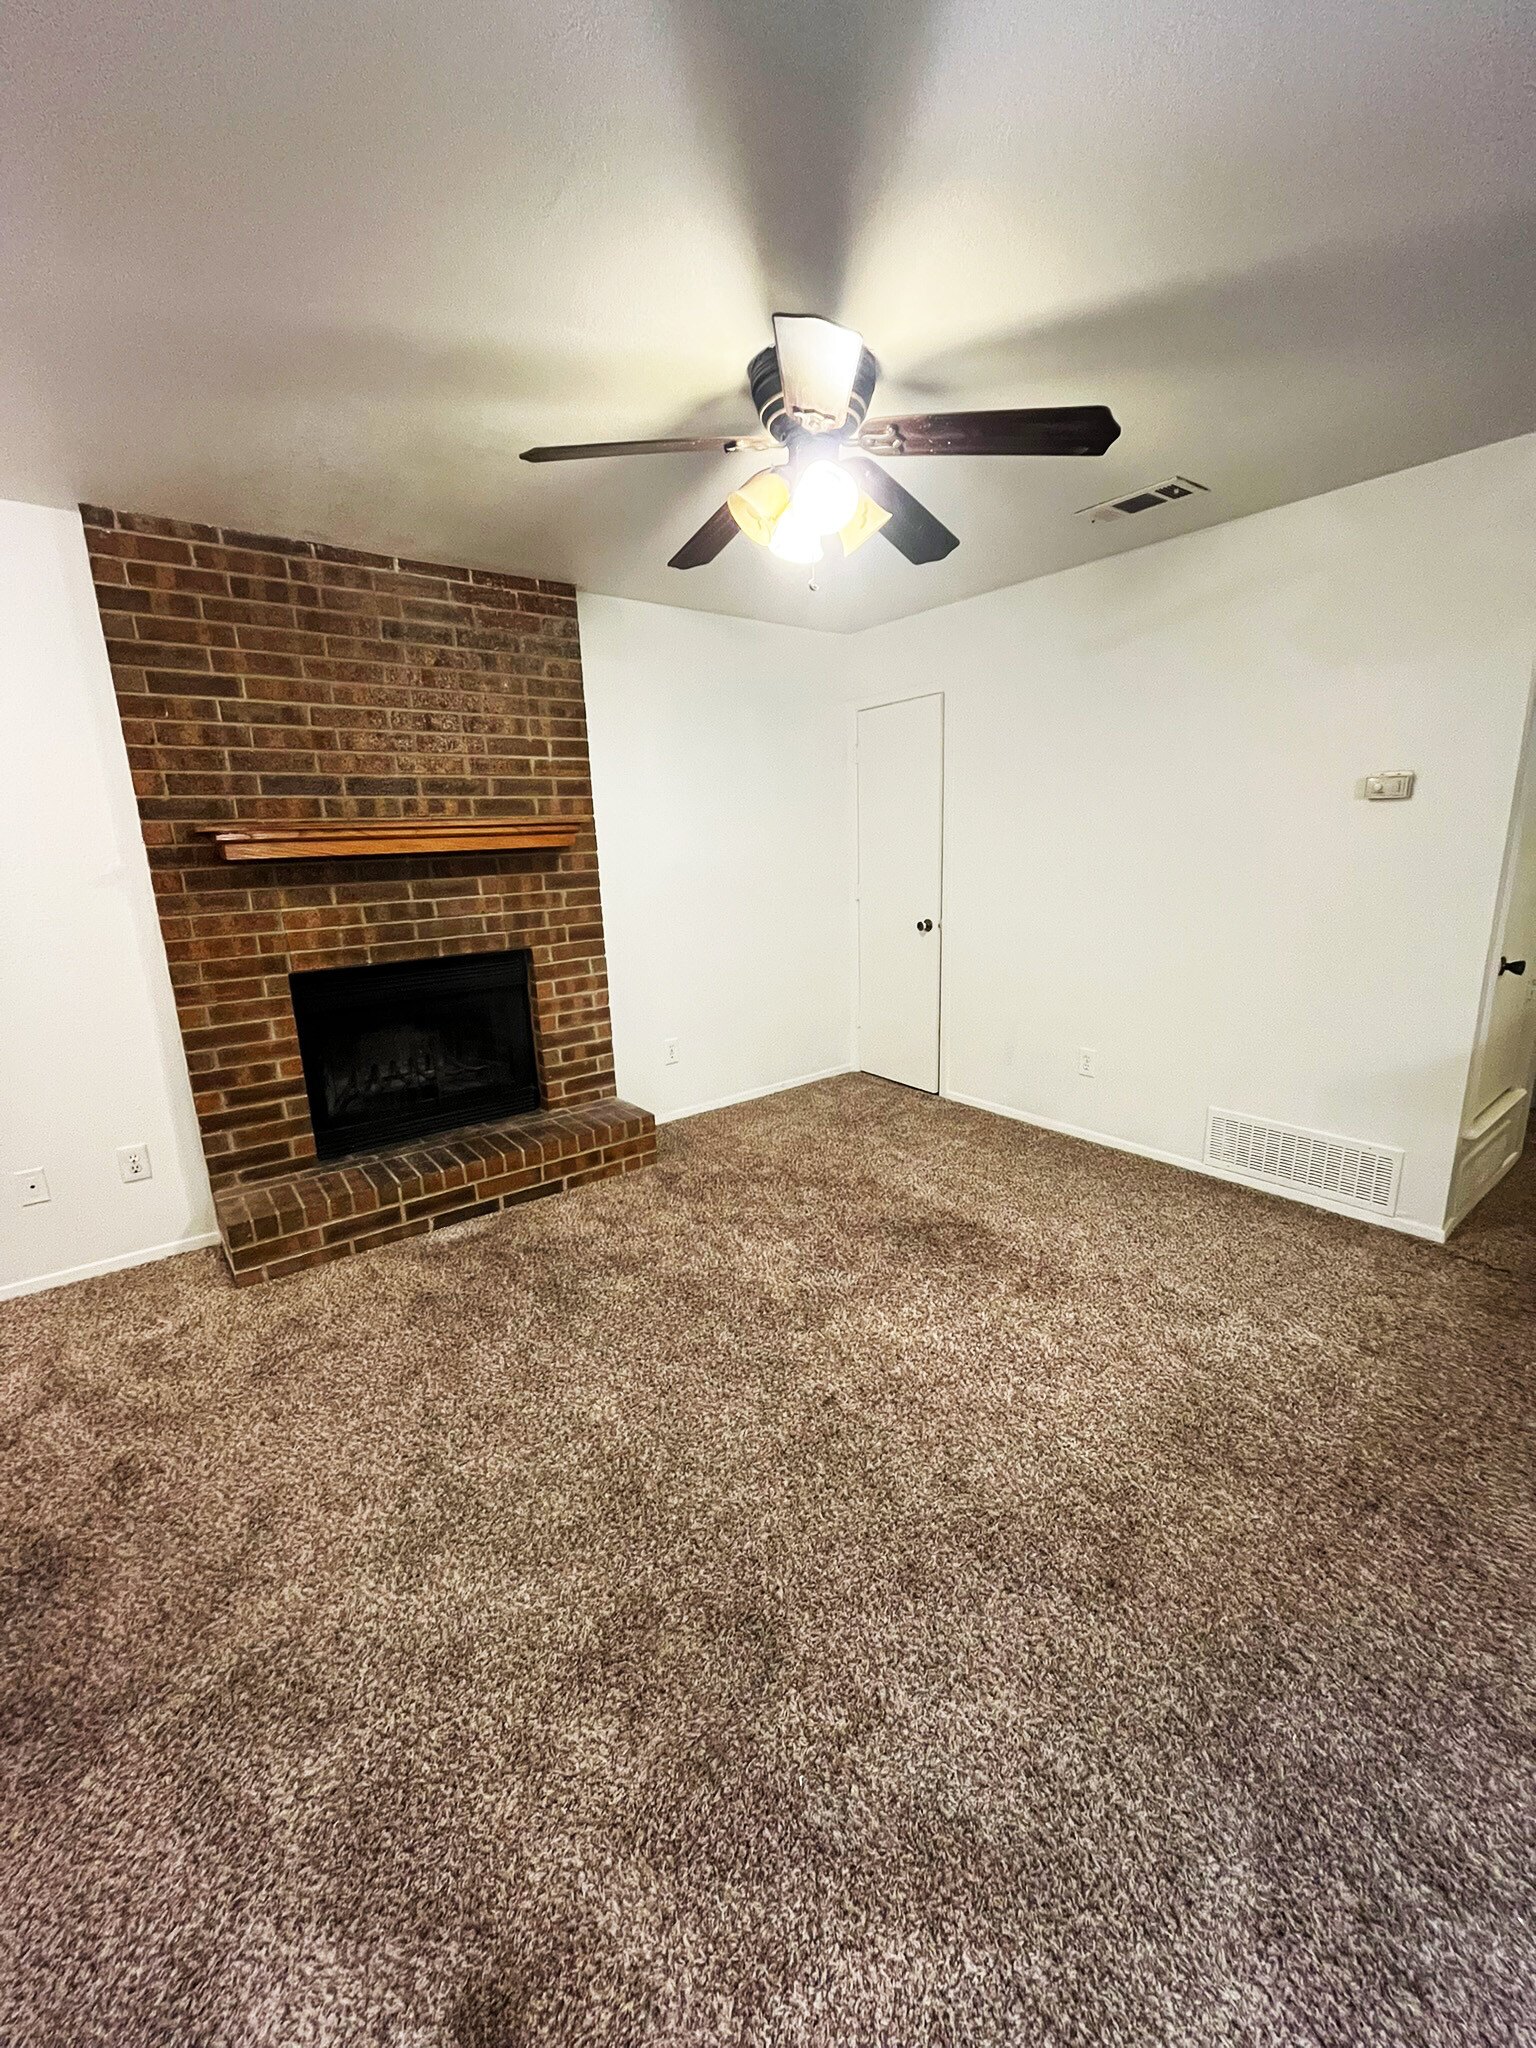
(1341, 1169)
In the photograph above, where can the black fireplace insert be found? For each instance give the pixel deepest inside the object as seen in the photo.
(413, 1046)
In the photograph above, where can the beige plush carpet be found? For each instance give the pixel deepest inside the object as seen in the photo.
(888, 1576)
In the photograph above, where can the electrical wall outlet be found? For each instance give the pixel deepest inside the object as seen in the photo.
(133, 1162)
(1088, 1062)
(31, 1187)
(671, 1057)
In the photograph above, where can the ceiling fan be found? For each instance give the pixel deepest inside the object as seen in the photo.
(812, 389)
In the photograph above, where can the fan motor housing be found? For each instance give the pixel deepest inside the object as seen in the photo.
(767, 387)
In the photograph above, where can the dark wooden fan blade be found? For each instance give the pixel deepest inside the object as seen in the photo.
(584, 451)
(711, 537)
(911, 527)
(1038, 430)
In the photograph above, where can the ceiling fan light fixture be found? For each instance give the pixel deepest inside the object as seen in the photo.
(826, 498)
(759, 505)
(793, 540)
(812, 388)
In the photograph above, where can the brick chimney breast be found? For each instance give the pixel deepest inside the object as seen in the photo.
(261, 679)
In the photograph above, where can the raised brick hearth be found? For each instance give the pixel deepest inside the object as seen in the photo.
(281, 1226)
(263, 679)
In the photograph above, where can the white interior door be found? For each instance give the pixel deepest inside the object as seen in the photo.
(1505, 1060)
(1498, 1102)
(901, 864)
(1504, 1052)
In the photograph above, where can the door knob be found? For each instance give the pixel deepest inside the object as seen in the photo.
(925, 924)
(1511, 966)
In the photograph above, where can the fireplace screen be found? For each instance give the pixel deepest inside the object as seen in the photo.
(417, 1045)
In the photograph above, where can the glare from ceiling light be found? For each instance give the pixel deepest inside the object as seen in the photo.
(825, 499)
(793, 540)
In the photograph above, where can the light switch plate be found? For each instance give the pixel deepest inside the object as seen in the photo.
(1390, 786)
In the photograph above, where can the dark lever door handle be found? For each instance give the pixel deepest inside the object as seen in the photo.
(925, 924)
(1511, 966)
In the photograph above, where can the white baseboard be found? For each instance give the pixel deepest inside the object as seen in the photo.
(676, 1116)
(1405, 1224)
(119, 1261)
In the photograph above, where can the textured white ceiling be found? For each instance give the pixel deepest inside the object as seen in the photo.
(325, 266)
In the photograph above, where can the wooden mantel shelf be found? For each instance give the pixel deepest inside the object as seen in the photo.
(351, 838)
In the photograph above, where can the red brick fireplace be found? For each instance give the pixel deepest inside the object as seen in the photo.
(264, 680)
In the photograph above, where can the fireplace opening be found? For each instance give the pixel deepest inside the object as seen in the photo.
(413, 1046)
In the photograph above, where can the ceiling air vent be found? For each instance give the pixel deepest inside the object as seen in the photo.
(1342, 1169)
(1142, 501)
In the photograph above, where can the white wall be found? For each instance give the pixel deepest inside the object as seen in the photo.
(90, 1057)
(720, 772)
(1152, 842)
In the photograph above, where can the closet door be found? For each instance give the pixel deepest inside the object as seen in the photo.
(901, 863)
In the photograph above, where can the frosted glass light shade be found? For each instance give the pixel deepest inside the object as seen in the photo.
(826, 498)
(793, 540)
(759, 505)
(864, 525)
